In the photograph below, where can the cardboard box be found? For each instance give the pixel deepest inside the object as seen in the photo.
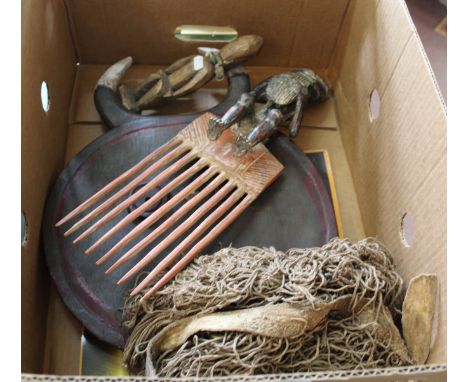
(389, 171)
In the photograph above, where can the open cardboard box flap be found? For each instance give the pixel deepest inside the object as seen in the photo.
(384, 169)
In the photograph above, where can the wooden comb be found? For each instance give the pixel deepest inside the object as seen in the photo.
(213, 187)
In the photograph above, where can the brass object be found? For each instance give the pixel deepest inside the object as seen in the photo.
(205, 33)
(283, 96)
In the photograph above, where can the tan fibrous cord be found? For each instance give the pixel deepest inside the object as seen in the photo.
(250, 277)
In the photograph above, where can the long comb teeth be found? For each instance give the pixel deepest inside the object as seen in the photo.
(207, 199)
(122, 178)
(135, 197)
(160, 212)
(189, 222)
(169, 222)
(129, 187)
(216, 231)
(189, 240)
(148, 204)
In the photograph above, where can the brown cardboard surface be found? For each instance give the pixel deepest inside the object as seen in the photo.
(317, 33)
(83, 110)
(46, 54)
(372, 41)
(79, 135)
(407, 130)
(397, 161)
(63, 344)
(426, 373)
(392, 166)
(372, 36)
(295, 33)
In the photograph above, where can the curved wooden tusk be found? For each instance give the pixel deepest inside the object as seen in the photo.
(112, 76)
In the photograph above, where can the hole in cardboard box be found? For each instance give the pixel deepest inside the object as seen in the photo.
(24, 230)
(407, 230)
(205, 33)
(374, 105)
(45, 99)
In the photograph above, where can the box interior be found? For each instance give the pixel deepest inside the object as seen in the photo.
(390, 172)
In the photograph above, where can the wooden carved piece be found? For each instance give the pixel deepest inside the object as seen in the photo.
(386, 329)
(188, 74)
(211, 163)
(277, 321)
(419, 319)
(114, 114)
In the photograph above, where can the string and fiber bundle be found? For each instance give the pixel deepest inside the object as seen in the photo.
(249, 277)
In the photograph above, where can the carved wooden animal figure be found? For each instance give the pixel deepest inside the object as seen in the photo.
(188, 74)
(284, 96)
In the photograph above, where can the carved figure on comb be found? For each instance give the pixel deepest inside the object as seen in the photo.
(284, 97)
